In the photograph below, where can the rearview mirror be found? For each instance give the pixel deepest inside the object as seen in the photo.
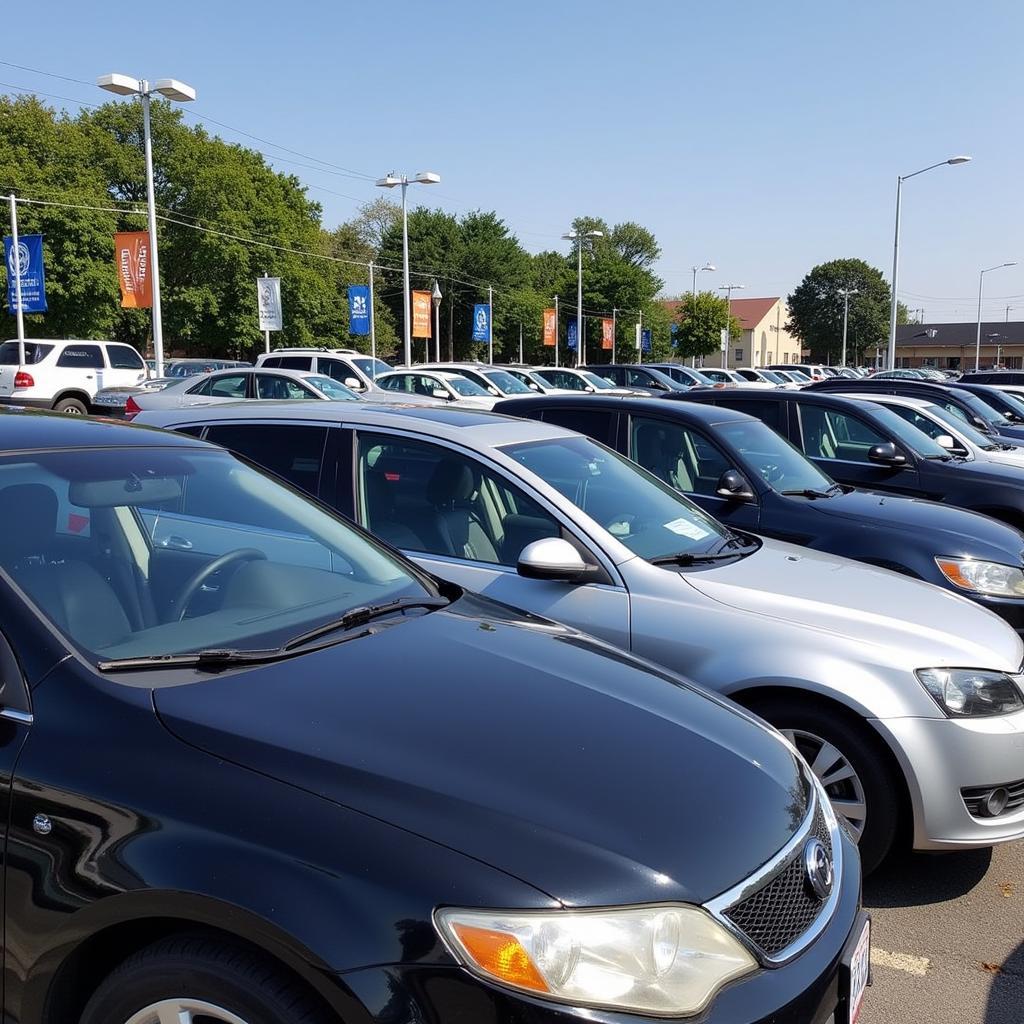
(733, 486)
(553, 558)
(886, 454)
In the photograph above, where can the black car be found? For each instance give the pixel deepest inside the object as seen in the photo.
(688, 376)
(957, 400)
(260, 769)
(632, 375)
(1009, 405)
(746, 475)
(1015, 377)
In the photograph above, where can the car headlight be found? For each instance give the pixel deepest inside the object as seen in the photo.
(971, 693)
(668, 960)
(983, 577)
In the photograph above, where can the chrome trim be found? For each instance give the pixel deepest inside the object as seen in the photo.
(720, 904)
(13, 715)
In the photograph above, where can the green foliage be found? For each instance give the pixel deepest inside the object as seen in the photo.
(701, 318)
(816, 310)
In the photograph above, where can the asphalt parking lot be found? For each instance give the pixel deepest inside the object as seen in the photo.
(948, 942)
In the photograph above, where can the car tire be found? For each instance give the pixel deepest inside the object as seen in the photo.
(72, 406)
(212, 980)
(808, 727)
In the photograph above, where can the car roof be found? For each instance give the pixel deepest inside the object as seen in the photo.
(41, 430)
(691, 412)
(834, 399)
(910, 401)
(448, 422)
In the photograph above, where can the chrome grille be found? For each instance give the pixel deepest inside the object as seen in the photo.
(780, 911)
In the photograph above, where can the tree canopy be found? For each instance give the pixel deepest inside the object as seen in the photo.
(700, 320)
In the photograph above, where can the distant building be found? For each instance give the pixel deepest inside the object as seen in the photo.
(764, 340)
(952, 346)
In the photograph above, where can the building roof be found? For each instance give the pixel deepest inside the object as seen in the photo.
(749, 312)
(960, 335)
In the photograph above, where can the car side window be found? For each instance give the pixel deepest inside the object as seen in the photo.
(272, 385)
(423, 497)
(123, 357)
(768, 412)
(232, 386)
(202, 388)
(81, 357)
(336, 369)
(830, 434)
(292, 362)
(600, 424)
(915, 419)
(293, 452)
(639, 378)
(271, 361)
(676, 454)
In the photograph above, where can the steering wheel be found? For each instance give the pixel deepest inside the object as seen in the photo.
(771, 472)
(191, 588)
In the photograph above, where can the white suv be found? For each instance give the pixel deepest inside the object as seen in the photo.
(65, 375)
(355, 370)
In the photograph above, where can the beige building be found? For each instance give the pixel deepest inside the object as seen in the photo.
(954, 346)
(764, 340)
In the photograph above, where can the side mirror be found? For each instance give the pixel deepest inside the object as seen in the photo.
(442, 394)
(493, 391)
(733, 486)
(589, 389)
(553, 558)
(533, 387)
(353, 383)
(950, 444)
(886, 454)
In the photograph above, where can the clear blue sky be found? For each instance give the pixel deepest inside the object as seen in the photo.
(766, 137)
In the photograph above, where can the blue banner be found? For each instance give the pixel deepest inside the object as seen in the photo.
(358, 309)
(572, 334)
(645, 339)
(673, 331)
(482, 322)
(29, 267)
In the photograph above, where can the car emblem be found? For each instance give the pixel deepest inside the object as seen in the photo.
(818, 866)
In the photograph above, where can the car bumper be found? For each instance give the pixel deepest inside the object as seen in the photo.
(27, 403)
(941, 756)
(808, 990)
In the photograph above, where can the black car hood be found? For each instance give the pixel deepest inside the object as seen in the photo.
(943, 529)
(565, 763)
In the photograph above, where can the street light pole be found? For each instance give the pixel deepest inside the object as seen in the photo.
(615, 319)
(16, 253)
(171, 89)
(709, 266)
(981, 285)
(390, 181)
(728, 289)
(578, 236)
(846, 293)
(435, 297)
(896, 251)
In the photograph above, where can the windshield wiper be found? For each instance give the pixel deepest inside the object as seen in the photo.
(362, 616)
(212, 658)
(737, 550)
(810, 492)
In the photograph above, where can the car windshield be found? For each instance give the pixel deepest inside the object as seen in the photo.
(982, 409)
(466, 387)
(1012, 402)
(798, 375)
(141, 552)
(772, 376)
(598, 382)
(960, 426)
(373, 368)
(506, 383)
(718, 376)
(636, 508)
(773, 458)
(332, 389)
(916, 440)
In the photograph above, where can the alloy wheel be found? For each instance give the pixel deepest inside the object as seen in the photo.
(836, 774)
(183, 1011)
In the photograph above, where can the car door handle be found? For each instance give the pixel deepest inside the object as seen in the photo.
(176, 542)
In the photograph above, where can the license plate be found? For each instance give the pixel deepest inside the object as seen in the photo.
(860, 970)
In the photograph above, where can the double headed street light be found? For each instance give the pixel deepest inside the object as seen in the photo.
(896, 250)
(981, 284)
(846, 293)
(729, 289)
(170, 89)
(423, 178)
(577, 237)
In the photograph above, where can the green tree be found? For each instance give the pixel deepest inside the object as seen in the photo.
(700, 320)
(816, 309)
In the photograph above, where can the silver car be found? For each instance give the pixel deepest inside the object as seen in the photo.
(905, 699)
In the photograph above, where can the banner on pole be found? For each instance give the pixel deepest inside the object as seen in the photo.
(131, 251)
(421, 314)
(550, 327)
(572, 334)
(725, 339)
(645, 339)
(672, 332)
(359, 309)
(481, 322)
(268, 300)
(28, 265)
(607, 334)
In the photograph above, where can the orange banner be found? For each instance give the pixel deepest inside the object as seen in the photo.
(131, 251)
(421, 314)
(550, 327)
(607, 334)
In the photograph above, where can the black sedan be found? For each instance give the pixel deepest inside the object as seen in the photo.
(260, 769)
(748, 476)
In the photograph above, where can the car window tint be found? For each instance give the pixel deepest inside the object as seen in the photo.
(767, 411)
(232, 386)
(202, 388)
(33, 353)
(423, 497)
(561, 379)
(123, 357)
(274, 386)
(293, 363)
(830, 434)
(639, 378)
(677, 455)
(336, 369)
(596, 423)
(271, 361)
(291, 451)
(81, 357)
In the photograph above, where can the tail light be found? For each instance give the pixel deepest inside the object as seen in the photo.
(131, 408)
(24, 380)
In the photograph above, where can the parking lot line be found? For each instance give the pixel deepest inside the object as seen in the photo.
(899, 961)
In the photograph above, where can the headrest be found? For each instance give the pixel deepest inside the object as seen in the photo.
(451, 481)
(28, 521)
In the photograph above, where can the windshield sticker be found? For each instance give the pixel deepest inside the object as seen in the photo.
(687, 529)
